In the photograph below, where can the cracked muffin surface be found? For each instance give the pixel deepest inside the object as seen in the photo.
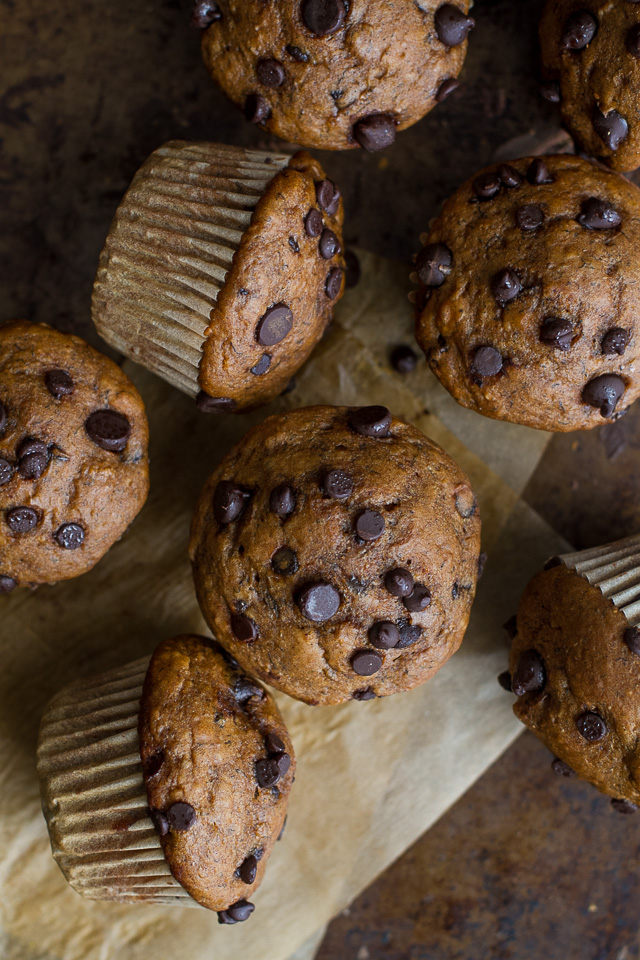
(335, 553)
(528, 301)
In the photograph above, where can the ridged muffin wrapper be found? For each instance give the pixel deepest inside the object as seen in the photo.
(169, 250)
(93, 794)
(615, 570)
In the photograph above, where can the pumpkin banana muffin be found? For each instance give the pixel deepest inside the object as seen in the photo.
(528, 303)
(74, 470)
(335, 553)
(166, 780)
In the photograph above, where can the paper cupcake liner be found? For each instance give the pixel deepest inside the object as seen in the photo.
(615, 570)
(170, 248)
(93, 793)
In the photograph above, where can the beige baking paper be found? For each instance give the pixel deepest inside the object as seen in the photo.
(371, 776)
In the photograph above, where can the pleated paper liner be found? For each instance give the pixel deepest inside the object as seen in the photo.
(170, 248)
(615, 570)
(93, 794)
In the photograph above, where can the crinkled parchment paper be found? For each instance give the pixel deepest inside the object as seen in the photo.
(371, 776)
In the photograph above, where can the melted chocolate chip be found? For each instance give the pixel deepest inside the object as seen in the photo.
(160, 821)
(69, 536)
(612, 128)
(337, 484)
(267, 772)
(530, 674)
(632, 640)
(375, 132)
(333, 283)
(556, 332)
(418, 600)
(433, 264)
(7, 584)
(365, 663)
(284, 561)
(329, 245)
(486, 185)
(152, 765)
(108, 429)
(270, 73)
(323, 17)
(318, 601)
(506, 285)
(245, 689)
(452, 25)
(562, 769)
(207, 404)
(486, 362)
(446, 87)
(504, 679)
(262, 365)
(238, 912)
(244, 628)
(538, 173)
(229, 500)
(256, 108)
(21, 519)
(597, 214)
(274, 325)
(509, 176)
(403, 359)
(282, 500)
(529, 217)
(399, 582)
(369, 525)
(313, 221)
(591, 726)
(372, 421)
(604, 392)
(6, 471)
(615, 341)
(383, 634)
(204, 14)
(633, 41)
(58, 383)
(579, 30)
(409, 634)
(248, 869)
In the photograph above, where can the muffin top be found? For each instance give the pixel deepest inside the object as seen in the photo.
(529, 293)
(73, 455)
(332, 74)
(218, 767)
(335, 553)
(591, 48)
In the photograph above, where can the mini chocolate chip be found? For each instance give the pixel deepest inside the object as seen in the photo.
(207, 404)
(486, 362)
(248, 869)
(181, 816)
(337, 484)
(511, 627)
(487, 185)
(21, 519)
(267, 772)
(506, 285)
(58, 383)
(604, 392)
(329, 245)
(383, 634)
(323, 17)
(270, 73)
(632, 640)
(204, 14)
(256, 108)
(452, 25)
(633, 41)
(7, 584)
(282, 500)
(6, 471)
(612, 128)
(365, 662)
(245, 689)
(597, 214)
(108, 429)
(369, 525)
(297, 53)
(623, 806)
(318, 601)
(313, 221)
(333, 283)
(433, 264)
(237, 913)
(284, 561)
(3, 418)
(403, 359)
(375, 132)
(262, 365)
(538, 173)
(69, 536)
(160, 821)
(372, 421)
(579, 30)
(615, 341)
(556, 332)
(325, 194)
(274, 325)
(151, 766)
(229, 500)
(591, 726)
(244, 628)
(529, 217)
(530, 675)
(446, 87)
(509, 176)
(504, 679)
(352, 265)
(562, 769)
(399, 582)
(550, 90)
(366, 694)
(418, 600)
(274, 743)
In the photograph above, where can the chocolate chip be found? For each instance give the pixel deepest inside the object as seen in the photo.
(597, 214)
(369, 525)
(632, 640)
(403, 359)
(207, 404)
(579, 30)
(284, 562)
(538, 173)
(433, 263)
(274, 743)
(465, 502)
(152, 765)
(452, 25)
(372, 421)
(243, 628)
(486, 186)
(375, 132)
(365, 662)
(229, 500)
(69, 536)
(181, 816)
(612, 128)
(326, 194)
(329, 245)
(7, 584)
(506, 285)
(333, 283)
(3, 418)
(297, 53)
(623, 806)
(556, 332)
(366, 694)
(108, 429)
(283, 762)
(313, 221)
(245, 689)
(486, 362)
(262, 365)
(550, 91)
(337, 484)
(267, 772)
(446, 87)
(562, 769)
(274, 325)
(604, 392)
(615, 341)
(509, 176)
(633, 41)
(6, 471)
(504, 679)
(270, 73)
(248, 869)
(21, 519)
(530, 674)
(418, 600)
(293, 243)
(591, 726)
(323, 17)
(236, 913)
(58, 383)
(33, 456)
(409, 634)
(282, 500)
(160, 822)
(318, 601)
(204, 14)
(399, 582)
(353, 269)
(383, 634)
(256, 108)
(529, 217)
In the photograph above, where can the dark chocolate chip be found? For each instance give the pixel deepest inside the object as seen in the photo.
(283, 762)
(433, 264)
(248, 869)
(511, 627)
(365, 662)
(181, 816)
(237, 912)
(623, 806)
(579, 30)
(245, 689)
(352, 265)
(313, 221)
(229, 501)
(204, 14)
(509, 176)
(337, 484)
(6, 471)
(262, 365)
(325, 194)
(244, 628)
(632, 640)
(69, 536)
(403, 359)
(274, 743)
(375, 132)
(297, 53)
(633, 41)
(418, 600)
(551, 91)
(562, 769)
(369, 525)
(282, 500)
(333, 283)
(152, 765)
(452, 25)
(270, 73)
(21, 519)
(612, 128)
(108, 429)
(329, 245)
(596, 214)
(274, 325)
(7, 584)
(604, 392)
(323, 17)
(446, 87)
(486, 186)
(504, 679)
(529, 217)
(58, 383)
(399, 582)
(556, 332)
(284, 562)
(591, 726)
(530, 674)
(33, 459)
(506, 285)
(372, 421)
(486, 362)
(256, 108)
(267, 772)
(538, 173)
(383, 634)
(366, 694)
(409, 634)
(207, 404)
(3, 418)
(160, 821)
(615, 341)
(318, 601)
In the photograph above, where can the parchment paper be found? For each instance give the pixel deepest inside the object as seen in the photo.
(371, 776)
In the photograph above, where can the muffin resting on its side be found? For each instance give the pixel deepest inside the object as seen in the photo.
(74, 470)
(529, 299)
(166, 781)
(335, 553)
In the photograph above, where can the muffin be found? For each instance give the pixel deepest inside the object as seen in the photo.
(591, 52)
(221, 270)
(74, 470)
(167, 780)
(332, 74)
(528, 301)
(574, 665)
(335, 553)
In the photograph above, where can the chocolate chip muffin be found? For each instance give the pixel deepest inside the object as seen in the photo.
(574, 665)
(184, 803)
(528, 300)
(221, 270)
(335, 553)
(73, 455)
(591, 51)
(333, 74)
